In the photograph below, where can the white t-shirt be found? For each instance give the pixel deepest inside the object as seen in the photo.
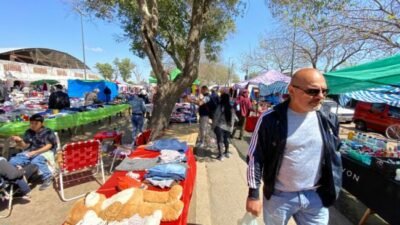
(301, 164)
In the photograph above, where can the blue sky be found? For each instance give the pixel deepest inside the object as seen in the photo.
(52, 24)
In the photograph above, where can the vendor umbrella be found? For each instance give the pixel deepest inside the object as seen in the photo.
(40, 82)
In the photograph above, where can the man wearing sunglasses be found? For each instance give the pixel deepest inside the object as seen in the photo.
(294, 150)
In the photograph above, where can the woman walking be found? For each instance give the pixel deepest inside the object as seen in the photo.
(223, 121)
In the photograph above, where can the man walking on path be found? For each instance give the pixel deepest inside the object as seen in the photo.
(294, 150)
(138, 110)
(206, 108)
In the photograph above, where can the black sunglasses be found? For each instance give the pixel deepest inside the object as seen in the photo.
(313, 91)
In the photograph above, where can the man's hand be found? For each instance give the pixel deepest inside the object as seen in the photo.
(31, 154)
(16, 138)
(254, 206)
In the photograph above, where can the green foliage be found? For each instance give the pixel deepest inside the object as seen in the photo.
(173, 24)
(125, 68)
(105, 69)
(211, 73)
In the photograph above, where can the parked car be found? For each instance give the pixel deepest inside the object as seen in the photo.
(345, 115)
(378, 117)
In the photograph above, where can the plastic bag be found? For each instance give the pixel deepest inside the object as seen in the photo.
(248, 219)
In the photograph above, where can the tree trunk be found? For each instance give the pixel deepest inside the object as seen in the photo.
(163, 105)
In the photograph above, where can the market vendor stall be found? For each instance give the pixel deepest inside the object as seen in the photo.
(110, 187)
(64, 121)
(371, 172)
(378, 192)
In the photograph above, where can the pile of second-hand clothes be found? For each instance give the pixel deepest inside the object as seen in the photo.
(184, 113)
(162, 171)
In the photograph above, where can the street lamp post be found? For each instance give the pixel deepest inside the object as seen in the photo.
(229, 71)
(293, 44)
(83, 42)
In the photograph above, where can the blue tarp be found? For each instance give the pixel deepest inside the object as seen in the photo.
(276, 87)
(78, 88)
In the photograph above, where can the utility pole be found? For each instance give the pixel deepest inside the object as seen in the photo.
(83, 41)
(229, 71)
(293, 44)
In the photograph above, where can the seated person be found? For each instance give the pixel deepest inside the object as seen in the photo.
(91, 98)
(10, 173)
(39, 145)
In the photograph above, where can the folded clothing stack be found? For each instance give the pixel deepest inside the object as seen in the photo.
(170, 144)
(173, 171)
(171, 156)
(137, 164)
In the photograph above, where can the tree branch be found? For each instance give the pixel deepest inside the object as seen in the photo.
(149, 29)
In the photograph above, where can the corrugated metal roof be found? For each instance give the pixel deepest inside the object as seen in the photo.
(42, 56)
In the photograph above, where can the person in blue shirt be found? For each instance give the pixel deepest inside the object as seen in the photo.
(138, 111)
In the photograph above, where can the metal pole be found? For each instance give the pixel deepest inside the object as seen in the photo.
(83, 45)
(229, 71)
(293, 45)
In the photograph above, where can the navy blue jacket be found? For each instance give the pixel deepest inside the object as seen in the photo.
(267, 149)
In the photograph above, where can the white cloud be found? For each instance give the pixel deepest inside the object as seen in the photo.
(96, 49)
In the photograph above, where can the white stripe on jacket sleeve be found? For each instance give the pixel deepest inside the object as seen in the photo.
(251, 179)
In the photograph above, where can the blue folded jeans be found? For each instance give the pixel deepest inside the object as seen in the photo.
(171, 171)
(305, 207)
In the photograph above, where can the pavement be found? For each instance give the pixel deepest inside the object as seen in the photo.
(221, 190)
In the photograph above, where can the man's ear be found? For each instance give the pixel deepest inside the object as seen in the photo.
(291, 90)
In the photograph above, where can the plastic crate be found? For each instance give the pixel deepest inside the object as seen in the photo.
(363, 158)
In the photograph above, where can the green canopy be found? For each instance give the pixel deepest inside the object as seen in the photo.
(373, 74)
(40, 82)
(172, 76)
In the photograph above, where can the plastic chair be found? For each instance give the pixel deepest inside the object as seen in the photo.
(58, 141)
(6, 194)
(77, 158)
(142, 139)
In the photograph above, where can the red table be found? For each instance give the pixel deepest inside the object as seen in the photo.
(104, 135)
(110, 187)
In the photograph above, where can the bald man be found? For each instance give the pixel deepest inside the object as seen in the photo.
(294, 150)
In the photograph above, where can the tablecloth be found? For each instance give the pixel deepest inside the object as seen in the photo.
(377, 192)
(66, 121)
(109, 188)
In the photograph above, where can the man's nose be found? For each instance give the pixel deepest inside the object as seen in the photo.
(320, 94)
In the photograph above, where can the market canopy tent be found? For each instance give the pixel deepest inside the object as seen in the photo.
(266, 78)
(41, 82)
(386, 94)
(78, 88)
(369, 75)
(276, 87)
(172, 76)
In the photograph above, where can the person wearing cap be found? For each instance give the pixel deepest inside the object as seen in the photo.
(39, 145)
(91, 98)
(143, 95)
(59, 99)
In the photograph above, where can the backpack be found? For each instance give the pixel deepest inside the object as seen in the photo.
(212, 106)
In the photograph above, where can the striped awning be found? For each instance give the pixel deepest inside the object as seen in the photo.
(385, 94)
